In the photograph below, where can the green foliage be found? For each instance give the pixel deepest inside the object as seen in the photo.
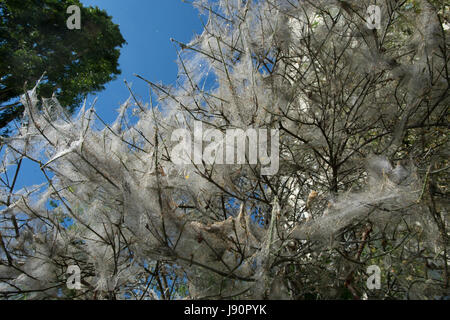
(34, 39)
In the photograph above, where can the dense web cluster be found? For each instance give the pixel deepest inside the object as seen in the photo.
(362, 116)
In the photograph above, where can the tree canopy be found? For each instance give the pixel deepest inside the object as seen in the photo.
(360, 117)
(34, 39)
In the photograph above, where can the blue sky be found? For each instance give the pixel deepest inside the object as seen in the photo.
(147, 26)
